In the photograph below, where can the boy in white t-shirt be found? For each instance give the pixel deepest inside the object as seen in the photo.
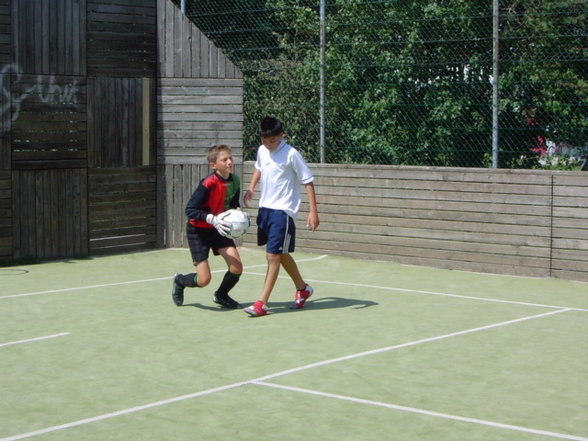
(281, 170)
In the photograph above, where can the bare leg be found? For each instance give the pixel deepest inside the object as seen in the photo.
(291, 268)
(232, 258)
(273, 269)
(203, 275)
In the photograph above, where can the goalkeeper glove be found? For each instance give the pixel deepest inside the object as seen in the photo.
(221, 226)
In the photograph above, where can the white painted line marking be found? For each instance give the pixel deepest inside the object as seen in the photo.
(425, 412)
(267, 377)
(360, 285)
(442, 294)
(121, 412)
(131, 282)
(34, 339)
(405, 345)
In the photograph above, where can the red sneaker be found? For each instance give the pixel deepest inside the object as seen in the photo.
(257, 309)
(301, 296)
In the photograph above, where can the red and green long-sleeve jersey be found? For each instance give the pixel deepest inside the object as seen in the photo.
(213, 195)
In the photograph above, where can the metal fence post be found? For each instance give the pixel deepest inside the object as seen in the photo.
(495, 45)
(322, 81)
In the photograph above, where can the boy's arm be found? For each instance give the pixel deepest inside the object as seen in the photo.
(249, 193)
(193, 207)
(313, 220)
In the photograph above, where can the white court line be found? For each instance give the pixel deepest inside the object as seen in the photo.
(426, 412)
(443, 294)
(405, 345)
(132, 282)
(121, 412)
(266, 377)
(34, 339)
(360, 285)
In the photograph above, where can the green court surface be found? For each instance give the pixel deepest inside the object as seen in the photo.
(94, 349)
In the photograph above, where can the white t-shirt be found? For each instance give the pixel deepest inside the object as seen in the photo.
(283, 171)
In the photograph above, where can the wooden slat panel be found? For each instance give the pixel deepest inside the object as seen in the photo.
(5, 121)
(570, 226)
(5, 32)
(184, 51)
(49, 122)
(122, 38)
(50, 37)
(5, 216)
(116, 121)
(468, 219)
(50, 213)
(193, 114)
(122, 209)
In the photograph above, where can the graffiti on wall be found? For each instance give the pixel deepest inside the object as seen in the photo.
(45, 90)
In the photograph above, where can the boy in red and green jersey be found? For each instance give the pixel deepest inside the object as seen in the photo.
(214, 194)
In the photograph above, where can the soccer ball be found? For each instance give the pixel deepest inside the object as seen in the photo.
(239, 221)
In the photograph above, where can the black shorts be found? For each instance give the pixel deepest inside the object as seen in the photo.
(202, 240)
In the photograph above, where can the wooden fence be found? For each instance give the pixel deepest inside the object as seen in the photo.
(107, 109)
(199, 103)
(520, 222)
(92, 108)
(5, 216)
(122, 206)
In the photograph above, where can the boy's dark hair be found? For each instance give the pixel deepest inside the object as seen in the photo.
(270, 126)
(214, 150)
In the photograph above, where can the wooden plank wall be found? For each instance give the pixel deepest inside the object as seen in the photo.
(5, 215)
(79, 114)
(5, 71)
(122, 38)
(78, 103)
(49, 36)
(50, 213)
(199, 103)
(496, 221)
(570, 226)
(49, 122)
(117, 124)
(5, 33)
(174, 197)
(122, 59)
(122, 204)
(185, 52)
(41, 56)
(195, 113)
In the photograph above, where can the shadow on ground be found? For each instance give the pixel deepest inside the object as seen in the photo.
(315, 304)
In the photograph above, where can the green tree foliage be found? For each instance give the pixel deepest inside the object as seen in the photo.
(543, 78)
(409, 82)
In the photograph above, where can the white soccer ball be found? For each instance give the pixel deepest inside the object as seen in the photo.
(239, 221)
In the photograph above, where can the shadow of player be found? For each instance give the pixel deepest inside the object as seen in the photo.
(314, 304)
(322, 303)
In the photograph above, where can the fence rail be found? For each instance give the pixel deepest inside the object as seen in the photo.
(519, 222)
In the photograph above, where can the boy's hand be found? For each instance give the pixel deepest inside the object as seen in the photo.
(221, 226)
(247, 197)
(313, 221)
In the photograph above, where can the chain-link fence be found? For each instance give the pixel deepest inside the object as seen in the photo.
(411, 82)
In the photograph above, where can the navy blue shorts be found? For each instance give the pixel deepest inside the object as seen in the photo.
(202, 240)
(275, 230)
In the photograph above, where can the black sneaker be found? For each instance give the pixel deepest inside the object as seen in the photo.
(226, 301)
(177, 291)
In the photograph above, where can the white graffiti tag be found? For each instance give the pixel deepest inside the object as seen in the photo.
(45, 89)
